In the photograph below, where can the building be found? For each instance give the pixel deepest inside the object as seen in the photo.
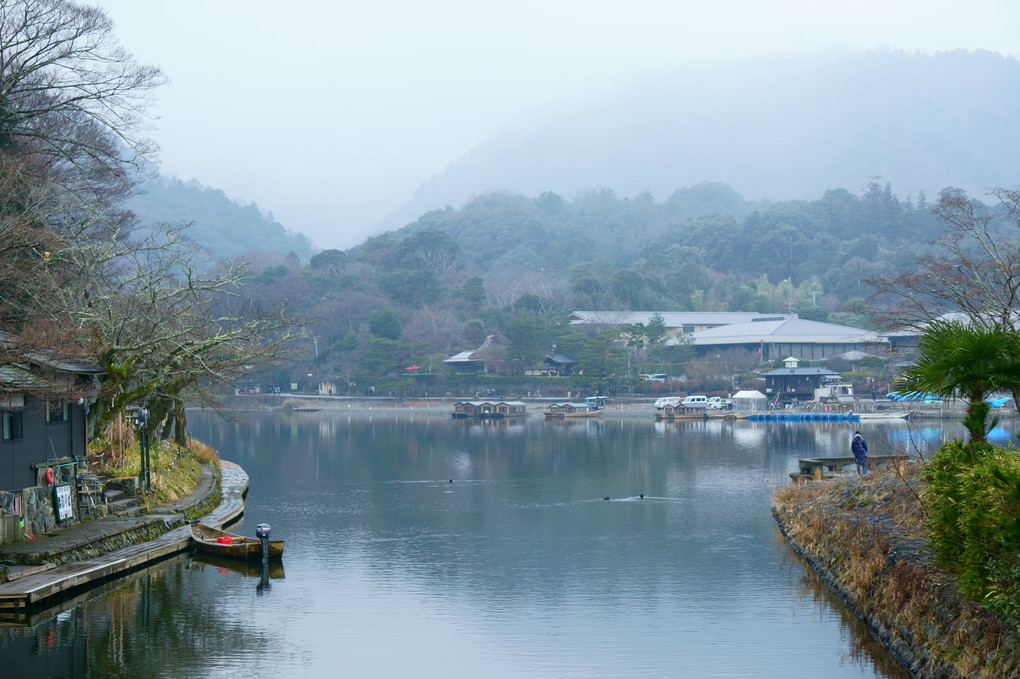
(789, 383)
(489, 357)
(554, 365)
(43, 412)
(677, 322)
(787, 336)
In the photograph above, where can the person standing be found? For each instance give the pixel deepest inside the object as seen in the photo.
(860, 450)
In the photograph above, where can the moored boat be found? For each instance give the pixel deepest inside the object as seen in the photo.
(885, 416)
(569, 411)
(247, 567)
(489, 409)
(680, 412)
(220, 542)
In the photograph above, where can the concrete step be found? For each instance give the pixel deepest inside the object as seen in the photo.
(125, 506)
(131, 512)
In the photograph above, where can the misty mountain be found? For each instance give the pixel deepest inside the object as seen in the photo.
(780, 129)
(222, 226)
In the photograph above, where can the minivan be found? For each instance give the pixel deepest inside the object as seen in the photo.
(695, 402)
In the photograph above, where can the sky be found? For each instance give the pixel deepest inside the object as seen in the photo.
(330, 114)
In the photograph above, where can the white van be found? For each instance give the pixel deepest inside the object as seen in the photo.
(661, 403)
(695, 402)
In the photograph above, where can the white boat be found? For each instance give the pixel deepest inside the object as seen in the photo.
(885, 416)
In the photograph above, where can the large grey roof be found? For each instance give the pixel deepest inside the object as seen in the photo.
(462, 357)
(788, 330)
(672, 319)
(800, 371)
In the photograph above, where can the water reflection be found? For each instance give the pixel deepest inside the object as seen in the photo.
(436, 547)
(164, 620)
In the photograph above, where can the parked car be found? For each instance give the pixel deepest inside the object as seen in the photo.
(697, 401)
(661, 403)
(716, 403)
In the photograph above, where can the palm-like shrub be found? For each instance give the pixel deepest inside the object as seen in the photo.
(956, 359)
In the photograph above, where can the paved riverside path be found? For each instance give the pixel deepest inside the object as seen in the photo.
(44, 583)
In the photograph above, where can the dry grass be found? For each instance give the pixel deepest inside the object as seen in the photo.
(867, 535)
(175, 471)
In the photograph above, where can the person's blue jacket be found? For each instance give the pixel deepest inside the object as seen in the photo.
(860, 448)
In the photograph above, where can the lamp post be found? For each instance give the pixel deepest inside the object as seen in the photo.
(145, 472)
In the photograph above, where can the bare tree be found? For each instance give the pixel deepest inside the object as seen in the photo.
(71, 97)
(26, 243)
(437, 326)
(975, 269)
(159, 327)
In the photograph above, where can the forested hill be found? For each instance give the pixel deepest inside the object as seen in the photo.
(779, 129)
(704, 247)
(513, 266)
(223, 227)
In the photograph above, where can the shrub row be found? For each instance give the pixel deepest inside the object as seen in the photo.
(972, 498)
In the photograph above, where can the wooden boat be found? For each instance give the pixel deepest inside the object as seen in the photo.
(220, 542)
(680, 412)
(489, 409)
(247, 568)
(885, 416)
(571, 411)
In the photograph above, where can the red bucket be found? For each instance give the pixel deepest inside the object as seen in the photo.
(225, 540)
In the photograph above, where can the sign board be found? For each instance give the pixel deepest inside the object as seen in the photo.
(65, 507)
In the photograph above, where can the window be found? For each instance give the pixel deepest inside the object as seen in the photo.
(14, 429)
(56, 411)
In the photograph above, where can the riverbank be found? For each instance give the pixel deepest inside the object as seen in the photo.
(621, 407)
(80, 556)
(864, 536)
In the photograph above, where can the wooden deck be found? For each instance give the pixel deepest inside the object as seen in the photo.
(27, 591)
(813, 468)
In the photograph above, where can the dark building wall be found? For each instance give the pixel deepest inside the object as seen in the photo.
(41, 441)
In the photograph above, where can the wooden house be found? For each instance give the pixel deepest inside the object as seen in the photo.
(554, 365)
(787, 384)
(43, 418)
(489, 357)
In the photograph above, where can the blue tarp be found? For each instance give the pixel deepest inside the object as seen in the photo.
(996, 402)
(913, 396)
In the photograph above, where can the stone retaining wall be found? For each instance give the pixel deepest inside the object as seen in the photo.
(38, 509)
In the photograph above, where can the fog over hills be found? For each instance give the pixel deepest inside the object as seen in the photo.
(778, 129)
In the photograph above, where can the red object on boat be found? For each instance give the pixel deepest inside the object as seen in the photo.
(225, 540)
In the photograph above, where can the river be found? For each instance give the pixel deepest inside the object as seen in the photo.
(432, 547)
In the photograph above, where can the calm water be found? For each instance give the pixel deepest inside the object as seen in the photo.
(518, 568)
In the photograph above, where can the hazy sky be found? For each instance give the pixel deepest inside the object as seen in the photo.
(330, 114)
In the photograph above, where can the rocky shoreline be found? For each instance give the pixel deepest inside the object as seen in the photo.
(864, 538)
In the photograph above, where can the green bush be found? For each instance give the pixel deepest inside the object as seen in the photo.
(972, 498)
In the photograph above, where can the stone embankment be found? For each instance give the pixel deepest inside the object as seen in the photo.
(85, 554)
(864, 537)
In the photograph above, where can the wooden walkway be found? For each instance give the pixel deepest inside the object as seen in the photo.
(813, 468)
(29, 590)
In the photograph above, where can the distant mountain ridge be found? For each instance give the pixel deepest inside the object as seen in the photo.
(779, 129)
(222, 226)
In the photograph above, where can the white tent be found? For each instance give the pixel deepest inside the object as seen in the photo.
(752, 401)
